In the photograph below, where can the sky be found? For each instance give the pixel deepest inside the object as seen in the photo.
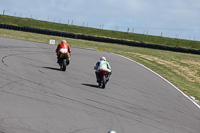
(169, 18)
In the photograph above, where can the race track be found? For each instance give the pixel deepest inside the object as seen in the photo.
(36, 97)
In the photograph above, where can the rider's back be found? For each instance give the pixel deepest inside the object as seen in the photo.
(104, 65)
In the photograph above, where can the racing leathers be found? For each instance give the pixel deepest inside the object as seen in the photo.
(102, 65)
(63, 47)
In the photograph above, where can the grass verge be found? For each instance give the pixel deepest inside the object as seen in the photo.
(181, 69)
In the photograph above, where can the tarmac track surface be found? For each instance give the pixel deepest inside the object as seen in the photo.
(36, 97)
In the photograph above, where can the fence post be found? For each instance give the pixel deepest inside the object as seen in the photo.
(3, 12)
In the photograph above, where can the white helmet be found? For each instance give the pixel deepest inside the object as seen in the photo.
(103, 58)
(112, 131)
(64, 41)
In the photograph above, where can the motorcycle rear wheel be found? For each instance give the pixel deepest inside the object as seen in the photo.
(63, 65)
(103, 81)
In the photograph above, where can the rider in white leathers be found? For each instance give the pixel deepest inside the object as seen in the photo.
(102, 65)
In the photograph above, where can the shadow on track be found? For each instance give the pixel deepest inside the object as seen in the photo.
(52, 68)
(91, 85)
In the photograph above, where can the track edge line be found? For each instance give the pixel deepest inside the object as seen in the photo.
(193, 101)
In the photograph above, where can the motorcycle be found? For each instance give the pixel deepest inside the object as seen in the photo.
(103, 78)
(63, 61)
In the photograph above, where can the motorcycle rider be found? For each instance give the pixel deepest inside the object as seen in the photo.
(102, 65)
(63, 47)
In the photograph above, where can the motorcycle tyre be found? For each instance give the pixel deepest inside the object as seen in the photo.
(103, 81)
(63, 65)
(99, 83)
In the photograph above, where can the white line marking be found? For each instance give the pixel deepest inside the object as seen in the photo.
(163, 79)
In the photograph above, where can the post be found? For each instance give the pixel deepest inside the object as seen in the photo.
(3, 12)
(116, 28)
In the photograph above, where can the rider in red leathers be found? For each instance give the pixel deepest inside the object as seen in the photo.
(63, 47)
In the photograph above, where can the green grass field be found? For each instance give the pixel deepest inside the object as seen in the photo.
(181, 69)
(99, 32)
